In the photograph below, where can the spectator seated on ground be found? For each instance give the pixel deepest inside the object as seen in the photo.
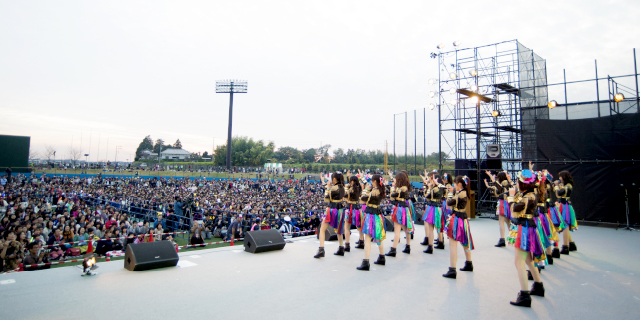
(35, 256)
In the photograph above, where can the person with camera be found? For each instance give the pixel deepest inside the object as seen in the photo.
(34, 258)
(235, 229)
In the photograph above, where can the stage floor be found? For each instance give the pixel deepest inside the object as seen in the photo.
(599, 281)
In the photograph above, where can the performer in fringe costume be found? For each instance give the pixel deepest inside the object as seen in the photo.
(354, 213)
(433, 215)
(334, 213)
(457, 227)
(548, 232)
(373, 225)
(500, 189)
(402, 214)
(524, 236)
(446, 211)
(563, 189)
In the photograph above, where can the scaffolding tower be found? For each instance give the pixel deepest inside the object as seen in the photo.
(507, 79)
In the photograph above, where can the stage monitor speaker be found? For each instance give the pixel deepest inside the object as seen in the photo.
(150, 255)
(263, 240)
(388, 224)
(329, 235)
(494, 157)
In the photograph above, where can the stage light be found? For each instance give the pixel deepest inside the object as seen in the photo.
(453, 75)
(441, 46)
(474, 88)
(453, 102)
(456, 43)
(452, 90)
(432, 94)
(618, 97)
(432, 81)
(432, 106)
(474, 100)
(473, 73)
(496, 113)
(552, 104)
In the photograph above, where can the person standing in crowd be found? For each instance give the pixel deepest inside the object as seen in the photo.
(457, 227)
(563, 189)
(524, 236)
(402, 214)
(373, 227)
(334, 214)
(433, 215)
(500, 190)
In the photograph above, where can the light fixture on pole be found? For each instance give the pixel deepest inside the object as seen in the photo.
(473, 73)
(230, 87)
(432, 81)
(474, 88)
(552, 104)
(432, 94)
(496, 113)
(452, 90)
(618, 97)
(432, 106)
(453, 75)
(441, 46)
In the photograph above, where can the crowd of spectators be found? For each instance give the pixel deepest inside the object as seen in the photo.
(48, 218)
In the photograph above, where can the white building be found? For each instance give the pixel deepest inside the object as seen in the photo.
(174, 154)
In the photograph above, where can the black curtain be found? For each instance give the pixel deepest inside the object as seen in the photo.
(600, 183)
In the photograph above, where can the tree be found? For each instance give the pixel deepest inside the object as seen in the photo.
(178, 144)
(205, 154)
(309, 155)
(146, 144)
(159, 146)
(244, 152)
(49, 152)
(33, 154)
(74, 154)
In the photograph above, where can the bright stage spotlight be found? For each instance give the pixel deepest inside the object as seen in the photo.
(432, 94)
(441, 46)
(432, 106)
(474, 88)
(474, 100)
(552, 104)
(456, 43)
(496, 113)
(473, 73)
(432, 81)
(453, 75)
(618, 97)
(452, 90)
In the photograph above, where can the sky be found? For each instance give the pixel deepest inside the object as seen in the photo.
(102, 75)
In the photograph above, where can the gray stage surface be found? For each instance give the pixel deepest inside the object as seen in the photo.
(600, 281)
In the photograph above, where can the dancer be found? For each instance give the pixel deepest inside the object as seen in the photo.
(563, 189)
(500, 190)
(548, 232)
(525, 237)
(457, 227)
(433, 215)
(446, 211)
(402, 214)
(354, 213)
(553, 215)
(334, 214)
(373, 227)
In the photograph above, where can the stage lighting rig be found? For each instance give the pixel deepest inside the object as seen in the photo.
(474, 88)
(456, 43)
(473, 73)
(432, 81)
(453, 75)
(432, 106)
(432, 94)
(552, 104)
(433, 55)
(452, 90)
(474, 100)
(441, 46)
(496, 113)
(618, 97)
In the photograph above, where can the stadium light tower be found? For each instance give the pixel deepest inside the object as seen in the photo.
(230, 87)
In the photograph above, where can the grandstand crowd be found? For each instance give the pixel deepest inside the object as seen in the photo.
(52, 218)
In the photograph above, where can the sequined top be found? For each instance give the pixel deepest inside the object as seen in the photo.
(523, 205)
(459, 203)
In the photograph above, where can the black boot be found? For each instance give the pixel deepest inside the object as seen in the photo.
(523, 300)
(407, 249)
(412, 236)
(555, 253)
(436, 241)
(360, 245)
(364, 266)
(565, 250)
(320, 253)
(392, 252)
(468, 266)
(500, 243)
(381, 260)
(425, 242)
(347, 247)
(572, 246)
(440, 245)
(550, 259)
(340, 251)
(451, 273)
(537, 289)
(429, 250)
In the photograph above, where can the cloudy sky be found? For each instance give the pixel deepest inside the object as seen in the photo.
(102, 74)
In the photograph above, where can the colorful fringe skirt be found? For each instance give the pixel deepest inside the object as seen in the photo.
(335, 218)
(403, 215)
(374, 225)
(546, 225)
(458, 229)
(433, 215)
(555, 216)
(355, 215)
(446, 211)
(503, 209)
(525, 235)
(568, 217)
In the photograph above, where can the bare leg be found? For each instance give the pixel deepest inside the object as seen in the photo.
(367, 246)
(408, 234)
(467, 254)
(381, 248)
(453, 252)
(570, 238)
(340, 240)
(396, 234)
(347, 231)
(534, 271)
(566, 236)
(429, 228)
(520, 259)
(323, 229)
(502, 223)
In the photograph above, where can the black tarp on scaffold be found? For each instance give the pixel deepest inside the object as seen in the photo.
(587, 148)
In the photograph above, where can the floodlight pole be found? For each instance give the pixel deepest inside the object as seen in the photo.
(230, 124)
(230, 87)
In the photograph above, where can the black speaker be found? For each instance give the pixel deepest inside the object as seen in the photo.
(150, 255)
(494, 157)
(388, 224)
(419, 214)
(263, 240)
(329, 235)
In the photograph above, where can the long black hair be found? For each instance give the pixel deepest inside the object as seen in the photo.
(339, 177)
(566, 177)
(465, 184)
(357, 189)
(381, 188)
